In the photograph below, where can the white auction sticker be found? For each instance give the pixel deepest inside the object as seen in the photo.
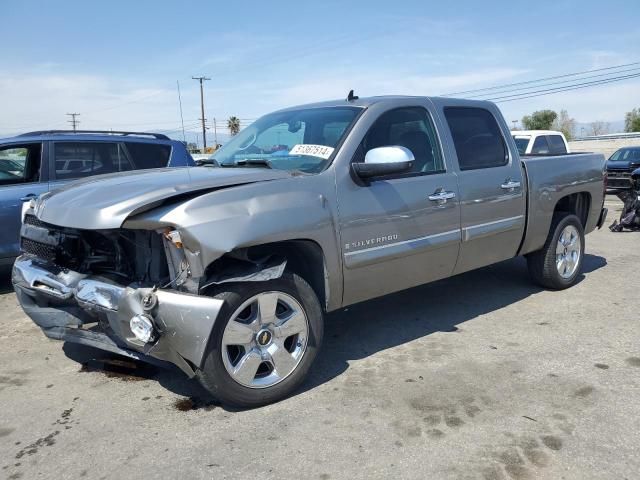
(312, 150)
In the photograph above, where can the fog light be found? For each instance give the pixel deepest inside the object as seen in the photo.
(142, 327)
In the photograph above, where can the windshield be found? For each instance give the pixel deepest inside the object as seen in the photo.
(521, 143)
(301, 140)
(628, 154)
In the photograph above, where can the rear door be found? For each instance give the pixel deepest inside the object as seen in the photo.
(492, 202)
(21, 178)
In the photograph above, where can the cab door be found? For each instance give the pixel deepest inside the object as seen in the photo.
(492, 195)
(21, 179)
(403, 230)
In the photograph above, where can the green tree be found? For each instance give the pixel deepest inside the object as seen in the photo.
(632, 121)
(233, 124)
(540, 120)
(565, 124)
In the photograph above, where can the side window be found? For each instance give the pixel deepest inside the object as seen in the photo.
(20, 164)
(409, 127)
(83, 159)
(557, 145)
(149, 155)
(477, 138)
(540, 146)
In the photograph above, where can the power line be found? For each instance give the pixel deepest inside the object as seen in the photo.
(497, 87)
(522, 89)
(566, 88)
(73, 120)
(204, 128)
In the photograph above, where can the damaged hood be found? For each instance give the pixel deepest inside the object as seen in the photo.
(105, 201)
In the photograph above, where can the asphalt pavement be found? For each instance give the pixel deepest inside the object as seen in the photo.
(481, 376)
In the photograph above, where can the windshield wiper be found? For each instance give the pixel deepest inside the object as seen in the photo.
(262, 162)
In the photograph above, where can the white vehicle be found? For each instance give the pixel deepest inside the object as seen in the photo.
(540, 142)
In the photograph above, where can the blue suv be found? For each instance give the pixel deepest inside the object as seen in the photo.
(36, 162)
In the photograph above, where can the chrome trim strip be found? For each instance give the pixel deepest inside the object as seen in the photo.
(368, 256)
(480, 230)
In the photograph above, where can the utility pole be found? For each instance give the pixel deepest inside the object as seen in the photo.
(73, 120)
(184, 138)
(204, 130)
(215, 132)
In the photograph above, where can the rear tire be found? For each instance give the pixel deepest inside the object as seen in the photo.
(558, 263)
(277, 375)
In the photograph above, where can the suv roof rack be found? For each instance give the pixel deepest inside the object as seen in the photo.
(158, 136)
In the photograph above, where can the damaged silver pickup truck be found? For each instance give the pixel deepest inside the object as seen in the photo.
(226, 270)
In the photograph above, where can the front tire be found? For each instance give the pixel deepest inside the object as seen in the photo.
(264, 341)
(558, 263)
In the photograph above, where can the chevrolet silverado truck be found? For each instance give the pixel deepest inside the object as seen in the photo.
(226, 271)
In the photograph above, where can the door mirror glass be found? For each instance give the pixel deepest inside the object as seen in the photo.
(383, 161)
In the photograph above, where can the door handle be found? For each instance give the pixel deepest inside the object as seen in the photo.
(28, 197)
(510, 185)
(442, 196)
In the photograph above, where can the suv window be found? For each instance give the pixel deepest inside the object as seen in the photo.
(477, 138)
(556, 145)
(20, 164)
(149, 155)
(409, 127)
(83, 159)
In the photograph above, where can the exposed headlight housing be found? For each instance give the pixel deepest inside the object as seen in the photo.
(173, 236)
(142, 327)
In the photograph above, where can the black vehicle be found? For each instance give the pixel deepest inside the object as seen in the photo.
(620, 165)
(630, 216)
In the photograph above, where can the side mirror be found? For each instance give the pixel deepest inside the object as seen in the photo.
(383, 161)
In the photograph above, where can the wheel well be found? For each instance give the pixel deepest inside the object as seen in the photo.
(303, 257)
(577, 204)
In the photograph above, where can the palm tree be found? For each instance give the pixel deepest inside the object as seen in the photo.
(233, 124)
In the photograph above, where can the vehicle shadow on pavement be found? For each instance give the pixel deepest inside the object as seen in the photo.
(360, 330)
(364, 329)
(119, 368)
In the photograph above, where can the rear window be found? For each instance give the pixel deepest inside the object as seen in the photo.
(84, 159)
(477, 138)
(556, 145)
(540, 146)
(149, 155)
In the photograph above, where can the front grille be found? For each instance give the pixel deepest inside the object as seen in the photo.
(40, 250)
(618, 179)
(124, 255)
(35, 221)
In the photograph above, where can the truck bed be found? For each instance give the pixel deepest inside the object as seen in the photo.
(552, 177)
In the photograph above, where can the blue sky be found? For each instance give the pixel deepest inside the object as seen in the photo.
(117, 62)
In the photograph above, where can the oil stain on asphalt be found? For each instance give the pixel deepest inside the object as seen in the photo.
(121, 369)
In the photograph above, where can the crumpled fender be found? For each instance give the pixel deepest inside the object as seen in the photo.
(219, 222)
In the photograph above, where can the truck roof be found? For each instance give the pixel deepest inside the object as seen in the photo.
(536, 132)
(365, 102)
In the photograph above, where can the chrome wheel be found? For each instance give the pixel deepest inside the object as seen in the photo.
(568, 251)
(265, 339)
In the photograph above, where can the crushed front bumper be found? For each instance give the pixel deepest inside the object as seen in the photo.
(93, 311)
